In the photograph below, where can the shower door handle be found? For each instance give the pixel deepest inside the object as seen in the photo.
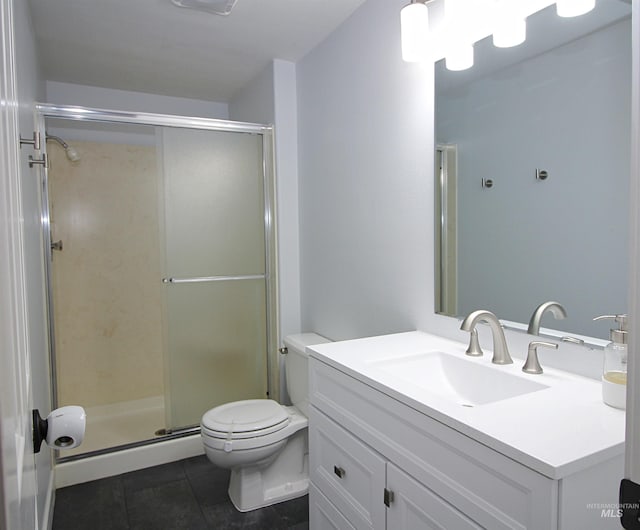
(56, 245)
(215, 278)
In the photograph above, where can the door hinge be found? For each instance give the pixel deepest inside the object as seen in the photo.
(388, 497)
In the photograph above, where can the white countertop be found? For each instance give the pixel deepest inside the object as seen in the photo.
(556, 431)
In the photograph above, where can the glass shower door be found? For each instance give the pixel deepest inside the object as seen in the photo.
(215, 271)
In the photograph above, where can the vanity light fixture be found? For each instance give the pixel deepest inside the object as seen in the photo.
(459, 54)
(574, 8)
(510, 26)
(459, 57)
(414, 25)
(507, 18)
(510, 33)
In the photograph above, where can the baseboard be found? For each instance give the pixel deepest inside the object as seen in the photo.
(108, 465)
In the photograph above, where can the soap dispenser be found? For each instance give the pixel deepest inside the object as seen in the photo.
(614, 372)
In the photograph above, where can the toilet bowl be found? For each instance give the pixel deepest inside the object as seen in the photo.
(262, 442)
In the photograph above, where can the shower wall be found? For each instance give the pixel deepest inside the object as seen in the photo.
(106, 280)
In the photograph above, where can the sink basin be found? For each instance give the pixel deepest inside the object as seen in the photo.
(464, 382)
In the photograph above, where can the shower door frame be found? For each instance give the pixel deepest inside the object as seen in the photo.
(88, 114)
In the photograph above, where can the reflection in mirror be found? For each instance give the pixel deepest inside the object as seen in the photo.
(532, 175)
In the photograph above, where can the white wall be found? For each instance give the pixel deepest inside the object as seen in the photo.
(255, 102)
(566, 111)
(30, 89)
(365, 170)
(286, 134)
(111, 99)
(271, 98)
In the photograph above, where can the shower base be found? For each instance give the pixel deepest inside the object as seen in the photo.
(125, 460)
(120, 424)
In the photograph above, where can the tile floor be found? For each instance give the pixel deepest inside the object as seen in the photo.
(189, 494)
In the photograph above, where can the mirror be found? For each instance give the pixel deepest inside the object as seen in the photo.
(532, 173)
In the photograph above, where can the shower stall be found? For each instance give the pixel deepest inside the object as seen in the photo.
(160, 259)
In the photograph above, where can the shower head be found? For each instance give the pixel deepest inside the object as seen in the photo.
(72, 153)
(69, 150)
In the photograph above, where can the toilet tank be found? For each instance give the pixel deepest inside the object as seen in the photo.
(297, 366)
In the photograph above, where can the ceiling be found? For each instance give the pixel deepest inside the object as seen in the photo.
(153, 46)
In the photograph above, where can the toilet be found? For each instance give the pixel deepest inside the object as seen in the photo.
(263, 443)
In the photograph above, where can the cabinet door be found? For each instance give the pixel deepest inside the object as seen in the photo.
(415, 507)
(349, 473)
(323, 515)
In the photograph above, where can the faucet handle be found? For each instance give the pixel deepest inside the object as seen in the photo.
(573, 340)
(474, 349)
(532, 365)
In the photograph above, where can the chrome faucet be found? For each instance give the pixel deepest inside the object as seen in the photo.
(554, 307)
(500, 350)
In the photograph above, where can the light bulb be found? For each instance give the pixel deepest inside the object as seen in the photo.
(455, 10)
(510, 33)
(414, 23)
(574, 8)
(459, 57)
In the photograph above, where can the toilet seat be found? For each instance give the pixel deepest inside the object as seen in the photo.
(285, 422)
(245, 419)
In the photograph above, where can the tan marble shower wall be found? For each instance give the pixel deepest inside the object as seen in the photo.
(106, 280)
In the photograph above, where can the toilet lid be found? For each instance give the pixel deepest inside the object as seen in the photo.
(251, 417)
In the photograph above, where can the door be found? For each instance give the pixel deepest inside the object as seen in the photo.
(164, 289)
(17, 465)
(630, 492)
(446, 233)
(216, 270)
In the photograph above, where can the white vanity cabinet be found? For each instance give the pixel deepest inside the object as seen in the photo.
(368, 490)
(378, 463)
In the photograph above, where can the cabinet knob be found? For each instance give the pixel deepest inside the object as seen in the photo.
(339, 471)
